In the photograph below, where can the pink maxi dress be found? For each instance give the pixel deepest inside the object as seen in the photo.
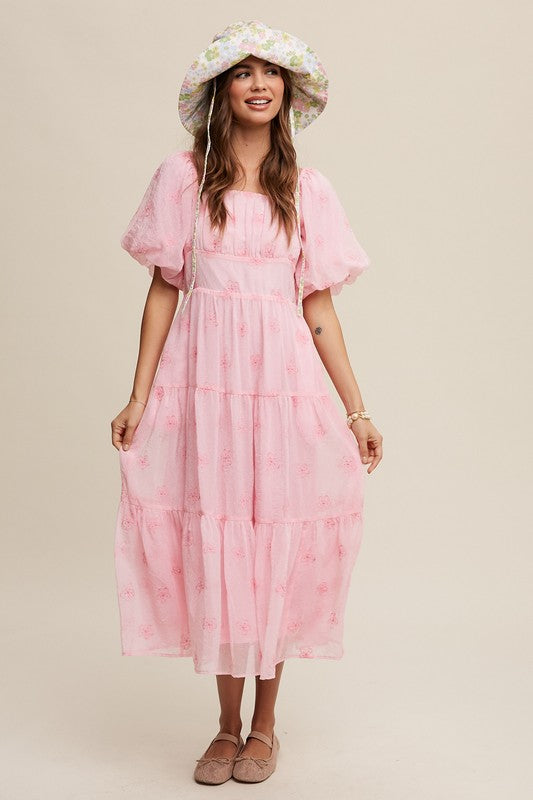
(240, 516)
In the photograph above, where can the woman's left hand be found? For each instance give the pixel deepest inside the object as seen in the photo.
(370, 442)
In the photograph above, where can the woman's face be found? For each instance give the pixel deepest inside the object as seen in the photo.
(255, 78)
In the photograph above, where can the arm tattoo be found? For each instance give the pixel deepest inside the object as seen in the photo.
(318, 330)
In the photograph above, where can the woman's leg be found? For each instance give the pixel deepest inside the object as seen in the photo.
(230, 691)
(266, 692)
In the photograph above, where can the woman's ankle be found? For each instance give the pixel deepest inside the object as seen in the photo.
(262, 722)
(233, 726)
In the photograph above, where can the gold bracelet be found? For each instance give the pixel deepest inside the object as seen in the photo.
(357, 415)
(133, 400)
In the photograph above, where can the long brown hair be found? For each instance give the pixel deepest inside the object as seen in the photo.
(277, 172)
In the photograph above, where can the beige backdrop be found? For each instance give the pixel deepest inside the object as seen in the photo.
(427, 139)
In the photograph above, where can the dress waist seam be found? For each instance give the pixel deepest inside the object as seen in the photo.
(313, 395)
(241, 257)
(228, 294)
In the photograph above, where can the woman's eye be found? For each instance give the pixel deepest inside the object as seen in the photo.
(245, 72)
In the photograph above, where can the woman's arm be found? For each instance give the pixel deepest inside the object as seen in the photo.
(158, 314)
(321, 317)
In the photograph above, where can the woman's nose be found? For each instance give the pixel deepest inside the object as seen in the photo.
(259, 82)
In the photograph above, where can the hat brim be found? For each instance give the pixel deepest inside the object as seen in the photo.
(310, 82)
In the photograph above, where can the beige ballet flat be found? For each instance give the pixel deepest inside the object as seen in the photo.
(217, 769)
(250, 769)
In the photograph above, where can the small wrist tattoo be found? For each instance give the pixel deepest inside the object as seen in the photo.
(318, 330)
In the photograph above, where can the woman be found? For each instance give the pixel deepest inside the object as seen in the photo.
(240, 517)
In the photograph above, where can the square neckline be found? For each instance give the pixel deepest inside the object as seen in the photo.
(246, 191)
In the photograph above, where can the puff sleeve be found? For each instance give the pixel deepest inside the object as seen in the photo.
(157, 233)
(333, 255)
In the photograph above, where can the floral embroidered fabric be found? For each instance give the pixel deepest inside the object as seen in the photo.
(240, 517)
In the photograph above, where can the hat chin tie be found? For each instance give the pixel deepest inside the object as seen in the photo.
(197, 211)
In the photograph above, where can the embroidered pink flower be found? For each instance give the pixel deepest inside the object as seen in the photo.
(330, 522)
(303, 469)
(165, 359)
(171, 421)
(163, 594)
(146, 631)
(232, 286)
(322, 588)
(238, 552)
(274, 325)
(209, 623)
(209, 547)
(341, 551)
(143, 461)
(159, 392)
(128, 592)
(176, 569)
(306, 652)
(242, 328)
(194, 495)
(227, 458)
(148, 210)
(302, 337)
(308, 557)
(244, 626)
(225, 361)
(324, 501)
(349, 464)
(294, 625)
(245, 501)
(185, 642)
(194, 353)
(281, 589)
(273, 461)
(200, 584)
(211, 319)
(333, 618)
(202, 459)
(292, 366)
(256, 359)
(319, 430)
(126, 523)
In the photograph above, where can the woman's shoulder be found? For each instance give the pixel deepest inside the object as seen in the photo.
(180, 165)
(314, 180)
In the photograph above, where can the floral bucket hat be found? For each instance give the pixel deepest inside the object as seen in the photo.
(233, 44)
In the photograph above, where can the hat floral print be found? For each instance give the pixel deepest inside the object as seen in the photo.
(241, 39)
(309, 97)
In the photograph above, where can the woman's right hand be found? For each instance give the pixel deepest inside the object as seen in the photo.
(124, 425)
